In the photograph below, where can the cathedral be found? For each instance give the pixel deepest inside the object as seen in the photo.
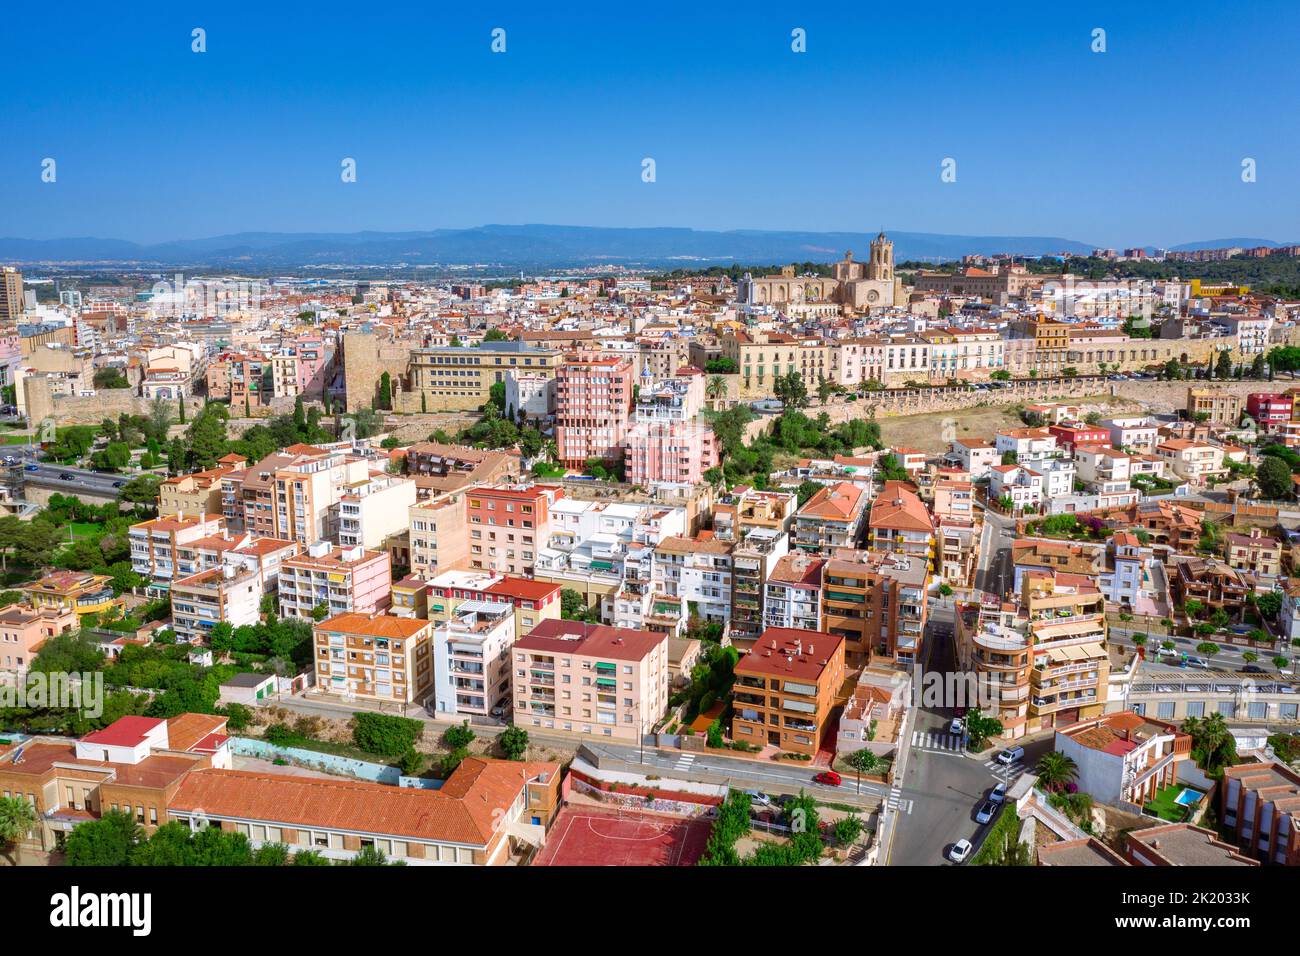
(858, 286)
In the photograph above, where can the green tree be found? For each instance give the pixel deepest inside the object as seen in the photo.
(385, 734)
(1213, 746)
(107, 841)
(17, 819)
(1055, 770)
(1273, 478)
(513, 742)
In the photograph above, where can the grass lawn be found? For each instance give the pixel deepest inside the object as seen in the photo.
(1164, 806)
(84, 529)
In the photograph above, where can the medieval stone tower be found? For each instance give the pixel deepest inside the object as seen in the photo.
(881, 266)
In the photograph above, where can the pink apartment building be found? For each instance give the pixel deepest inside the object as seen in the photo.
(593, 408)
(340, 579)
(666, 440)
(590, 679)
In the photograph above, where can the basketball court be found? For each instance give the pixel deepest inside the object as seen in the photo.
(589, 836)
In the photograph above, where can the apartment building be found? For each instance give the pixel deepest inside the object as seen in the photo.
(293, 494)
(375, 657)
(374, 510)
(785, 690)
(792, 596)
(438, 536)
(690, 576)
(335, 580)
(437, 468)
(263, 555)
(508, 525)
(196, 493)
(1174, 693)
(471, 659)
(749, 509)
(1260, 804)
(229, 594)
(1270, 410)
(23, 630)
(1124, 758)
(1181, 844)
(533, 601)
(590, 679)
(593, 401)
(996, 653)
(154, 543)
(1066, 627)
(666, 441)
(834, 517)
(753, 559)
(876, 602)
(900, 523)
(460, 377)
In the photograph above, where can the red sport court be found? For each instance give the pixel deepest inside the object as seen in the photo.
(588, 836)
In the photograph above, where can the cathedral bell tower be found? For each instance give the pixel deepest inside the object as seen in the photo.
(881, 266)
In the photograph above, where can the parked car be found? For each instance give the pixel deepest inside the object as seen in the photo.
(960, 850)
(828, 778)
(956, 728)
(64, 476)
(986, 812)
(998, 793)
(758, 798)
(31, 467)
(1198, 662)
(1011, 755)
(1252, 669)
(119, 484)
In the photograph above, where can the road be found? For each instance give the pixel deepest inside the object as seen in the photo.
(739, 772)
(1229, 657)
(993, 563)
(93, 482)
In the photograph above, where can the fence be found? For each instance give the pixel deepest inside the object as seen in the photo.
(330, 763)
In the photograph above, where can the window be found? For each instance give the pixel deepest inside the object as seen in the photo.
(1196, 708)
(1165, 709)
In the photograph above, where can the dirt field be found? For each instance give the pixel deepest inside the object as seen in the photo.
(932, 431)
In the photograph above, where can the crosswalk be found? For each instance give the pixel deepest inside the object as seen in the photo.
(896, 803)
(684, 762)
(936, 742)
(1001, 771)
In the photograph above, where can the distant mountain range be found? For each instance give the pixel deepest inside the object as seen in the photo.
(534, 246)
(517, 246)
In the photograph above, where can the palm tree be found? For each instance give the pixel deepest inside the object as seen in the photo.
(1055, 769)
(17, 819)
(716, 390)
(1213, 746)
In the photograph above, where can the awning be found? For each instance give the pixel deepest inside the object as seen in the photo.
(482, 607)
(606, 682)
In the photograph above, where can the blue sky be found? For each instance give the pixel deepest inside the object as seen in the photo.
(1141, 144)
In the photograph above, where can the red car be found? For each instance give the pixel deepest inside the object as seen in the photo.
(829, 777)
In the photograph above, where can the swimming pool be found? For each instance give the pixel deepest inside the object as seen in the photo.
(1188, 798)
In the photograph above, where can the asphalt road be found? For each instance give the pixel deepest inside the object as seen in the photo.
(49, 476)
(741, 773)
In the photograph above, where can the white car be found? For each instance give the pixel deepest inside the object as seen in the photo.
(960, 850)
(998, 793)
(986, 813)
(1011, 755)
(956, 728)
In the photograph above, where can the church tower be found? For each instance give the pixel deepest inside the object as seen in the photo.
(881, 266)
